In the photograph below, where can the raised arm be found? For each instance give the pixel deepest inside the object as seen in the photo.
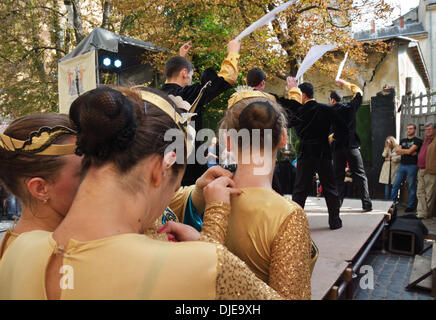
(293, 103)
(185, 48)
(356, 102)
(229, 67)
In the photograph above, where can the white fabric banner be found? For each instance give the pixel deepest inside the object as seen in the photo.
(314, 54)
(76, 75)
(341, 67)
(270, 16)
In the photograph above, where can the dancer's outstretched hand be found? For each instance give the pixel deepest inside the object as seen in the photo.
(184, 50)
(291, 83)
(233, 46)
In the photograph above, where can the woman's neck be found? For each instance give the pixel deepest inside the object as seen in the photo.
(102, 209)
(37, 217)
(252, 176)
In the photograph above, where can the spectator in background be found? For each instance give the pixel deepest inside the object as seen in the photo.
(408, 150)
(390, 165)
(212, 158)
(427, 174)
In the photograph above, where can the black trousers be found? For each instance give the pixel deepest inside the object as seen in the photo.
(306, 169)
(355, 162)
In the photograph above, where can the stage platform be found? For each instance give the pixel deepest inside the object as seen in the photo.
(342, 251)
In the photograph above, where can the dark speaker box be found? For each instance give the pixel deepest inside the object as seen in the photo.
(406, 235)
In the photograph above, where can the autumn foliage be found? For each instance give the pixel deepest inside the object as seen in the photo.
(35, 34)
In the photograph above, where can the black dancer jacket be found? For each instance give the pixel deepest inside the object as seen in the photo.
(312, 122)
(347, 111)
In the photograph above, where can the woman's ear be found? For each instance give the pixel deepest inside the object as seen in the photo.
(283, 139)
(169, 160)
(38, 188)
(157, 171)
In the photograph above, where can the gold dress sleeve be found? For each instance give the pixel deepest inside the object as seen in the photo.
(289, 272)
(229, 68)
(235, 281)
(353, 88)
(215, 222)
(295, 94)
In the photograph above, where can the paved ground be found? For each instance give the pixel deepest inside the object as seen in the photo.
(392, 272)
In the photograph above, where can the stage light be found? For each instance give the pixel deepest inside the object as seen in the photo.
(118, 63)
(107, 62)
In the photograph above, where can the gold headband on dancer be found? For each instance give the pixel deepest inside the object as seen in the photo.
(181, 120)
(40, 142)
(245, 92)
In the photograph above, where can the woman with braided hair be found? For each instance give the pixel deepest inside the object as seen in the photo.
(38, 166)
(99, 251)
(266, 230)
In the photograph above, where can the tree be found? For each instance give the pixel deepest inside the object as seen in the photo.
(35, 34)
(277, 48)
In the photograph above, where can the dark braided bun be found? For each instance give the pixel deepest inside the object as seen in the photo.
(106, 122)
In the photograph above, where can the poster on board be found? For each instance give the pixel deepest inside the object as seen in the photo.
(75, 76)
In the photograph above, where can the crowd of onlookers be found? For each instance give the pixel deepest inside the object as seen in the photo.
(412, 160)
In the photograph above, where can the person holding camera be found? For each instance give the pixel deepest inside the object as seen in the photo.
(390, 165)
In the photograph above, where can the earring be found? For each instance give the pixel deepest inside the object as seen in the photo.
(45, 201)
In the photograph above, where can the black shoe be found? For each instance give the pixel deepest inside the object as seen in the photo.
(366, 209)
(410, 210)
(335, 225)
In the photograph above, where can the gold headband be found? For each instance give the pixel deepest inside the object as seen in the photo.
(40, 142)
(163, 105)
(246, 93)
(181, 122)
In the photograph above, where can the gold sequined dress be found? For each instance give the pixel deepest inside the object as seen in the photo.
(271, 234)
(133, 266)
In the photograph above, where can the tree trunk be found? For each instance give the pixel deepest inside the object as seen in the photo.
(78, 28)
(106, 14)
(56, 29)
